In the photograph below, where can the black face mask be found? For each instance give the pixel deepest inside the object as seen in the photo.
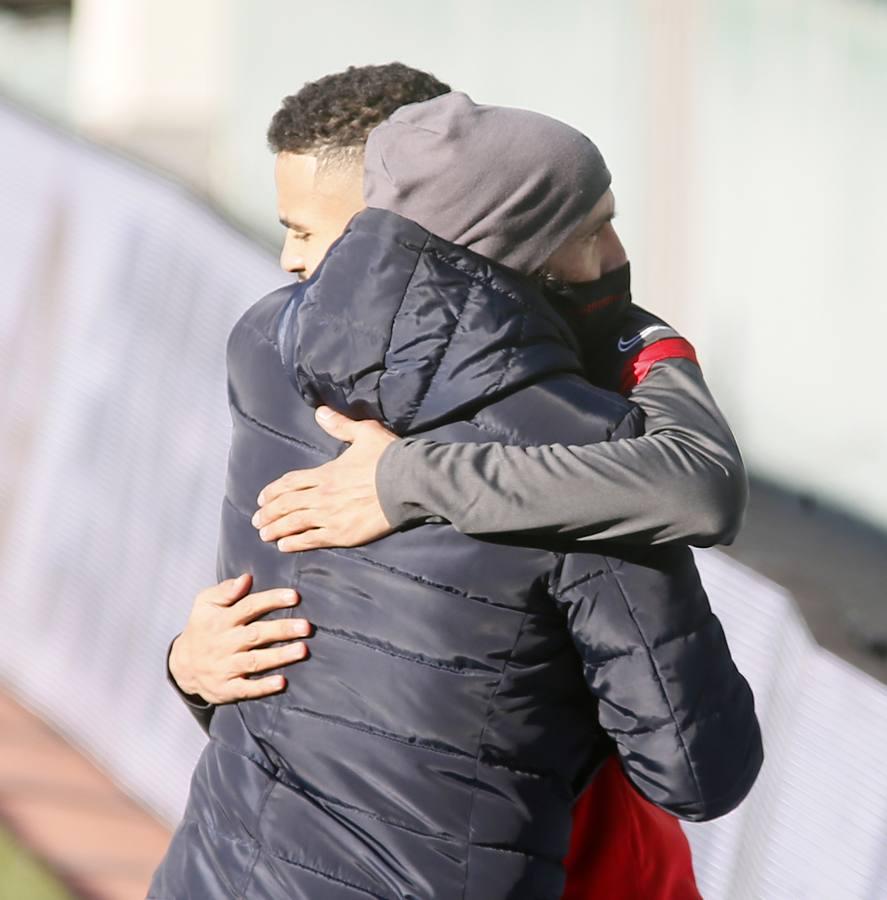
(591, 305)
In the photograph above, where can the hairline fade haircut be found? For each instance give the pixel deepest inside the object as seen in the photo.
(332, 117)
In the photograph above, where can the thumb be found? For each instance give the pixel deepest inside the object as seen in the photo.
(231, 589)
(335, 424)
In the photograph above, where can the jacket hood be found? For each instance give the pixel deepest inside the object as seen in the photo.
(399, 325)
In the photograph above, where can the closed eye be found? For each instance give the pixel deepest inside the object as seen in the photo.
(299, 232)
(603, 224)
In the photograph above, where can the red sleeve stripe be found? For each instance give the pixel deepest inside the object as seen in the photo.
(636, 369)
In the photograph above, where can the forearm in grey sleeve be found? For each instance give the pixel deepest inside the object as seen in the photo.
(682, 480)
(198, 707)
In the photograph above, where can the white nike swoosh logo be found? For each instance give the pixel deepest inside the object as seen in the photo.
(623, 345)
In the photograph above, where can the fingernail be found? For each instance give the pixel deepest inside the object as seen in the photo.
(324, 412)
(263, 533)
(300, 627)
(261, 498)
(255, 519)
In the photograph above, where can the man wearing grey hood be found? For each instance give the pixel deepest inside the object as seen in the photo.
(532, 193)
(455, 344)
(517, 186)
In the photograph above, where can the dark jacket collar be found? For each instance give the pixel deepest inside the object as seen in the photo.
(399, 325)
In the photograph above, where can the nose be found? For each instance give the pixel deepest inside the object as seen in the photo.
(291, 259)
(612, 253)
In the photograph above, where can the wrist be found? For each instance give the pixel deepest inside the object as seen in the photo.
(179, 667)
(393, 483)
(386, 482)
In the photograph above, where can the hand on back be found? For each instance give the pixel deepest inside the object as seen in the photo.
(333, 505)
(222, 644)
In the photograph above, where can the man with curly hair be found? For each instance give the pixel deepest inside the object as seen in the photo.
(669, 485)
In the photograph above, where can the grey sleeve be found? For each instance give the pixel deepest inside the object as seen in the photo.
(682, 480)
(198, 707)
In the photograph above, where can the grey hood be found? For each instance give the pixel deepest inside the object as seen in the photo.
(507, 183)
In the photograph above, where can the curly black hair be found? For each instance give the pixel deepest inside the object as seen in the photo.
(337, 112)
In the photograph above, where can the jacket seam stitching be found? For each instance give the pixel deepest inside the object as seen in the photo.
(253, 758)
(260, 335)
(272, 730)
(705, 717)
(550, 860)
(261, 848)
(384, 735)
(654, 645)
(489, 282)
(321, 874)
(512, 354)
(394, 823)
(417, 403)
(659, 681)
(589, 576)
(480, 740)
(466, 671)
(248, 875)
(282, 434)
(477, 598)
(394, 570)
(344, 723)
(414, 406)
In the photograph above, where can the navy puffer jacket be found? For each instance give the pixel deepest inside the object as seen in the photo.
(460, 692)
